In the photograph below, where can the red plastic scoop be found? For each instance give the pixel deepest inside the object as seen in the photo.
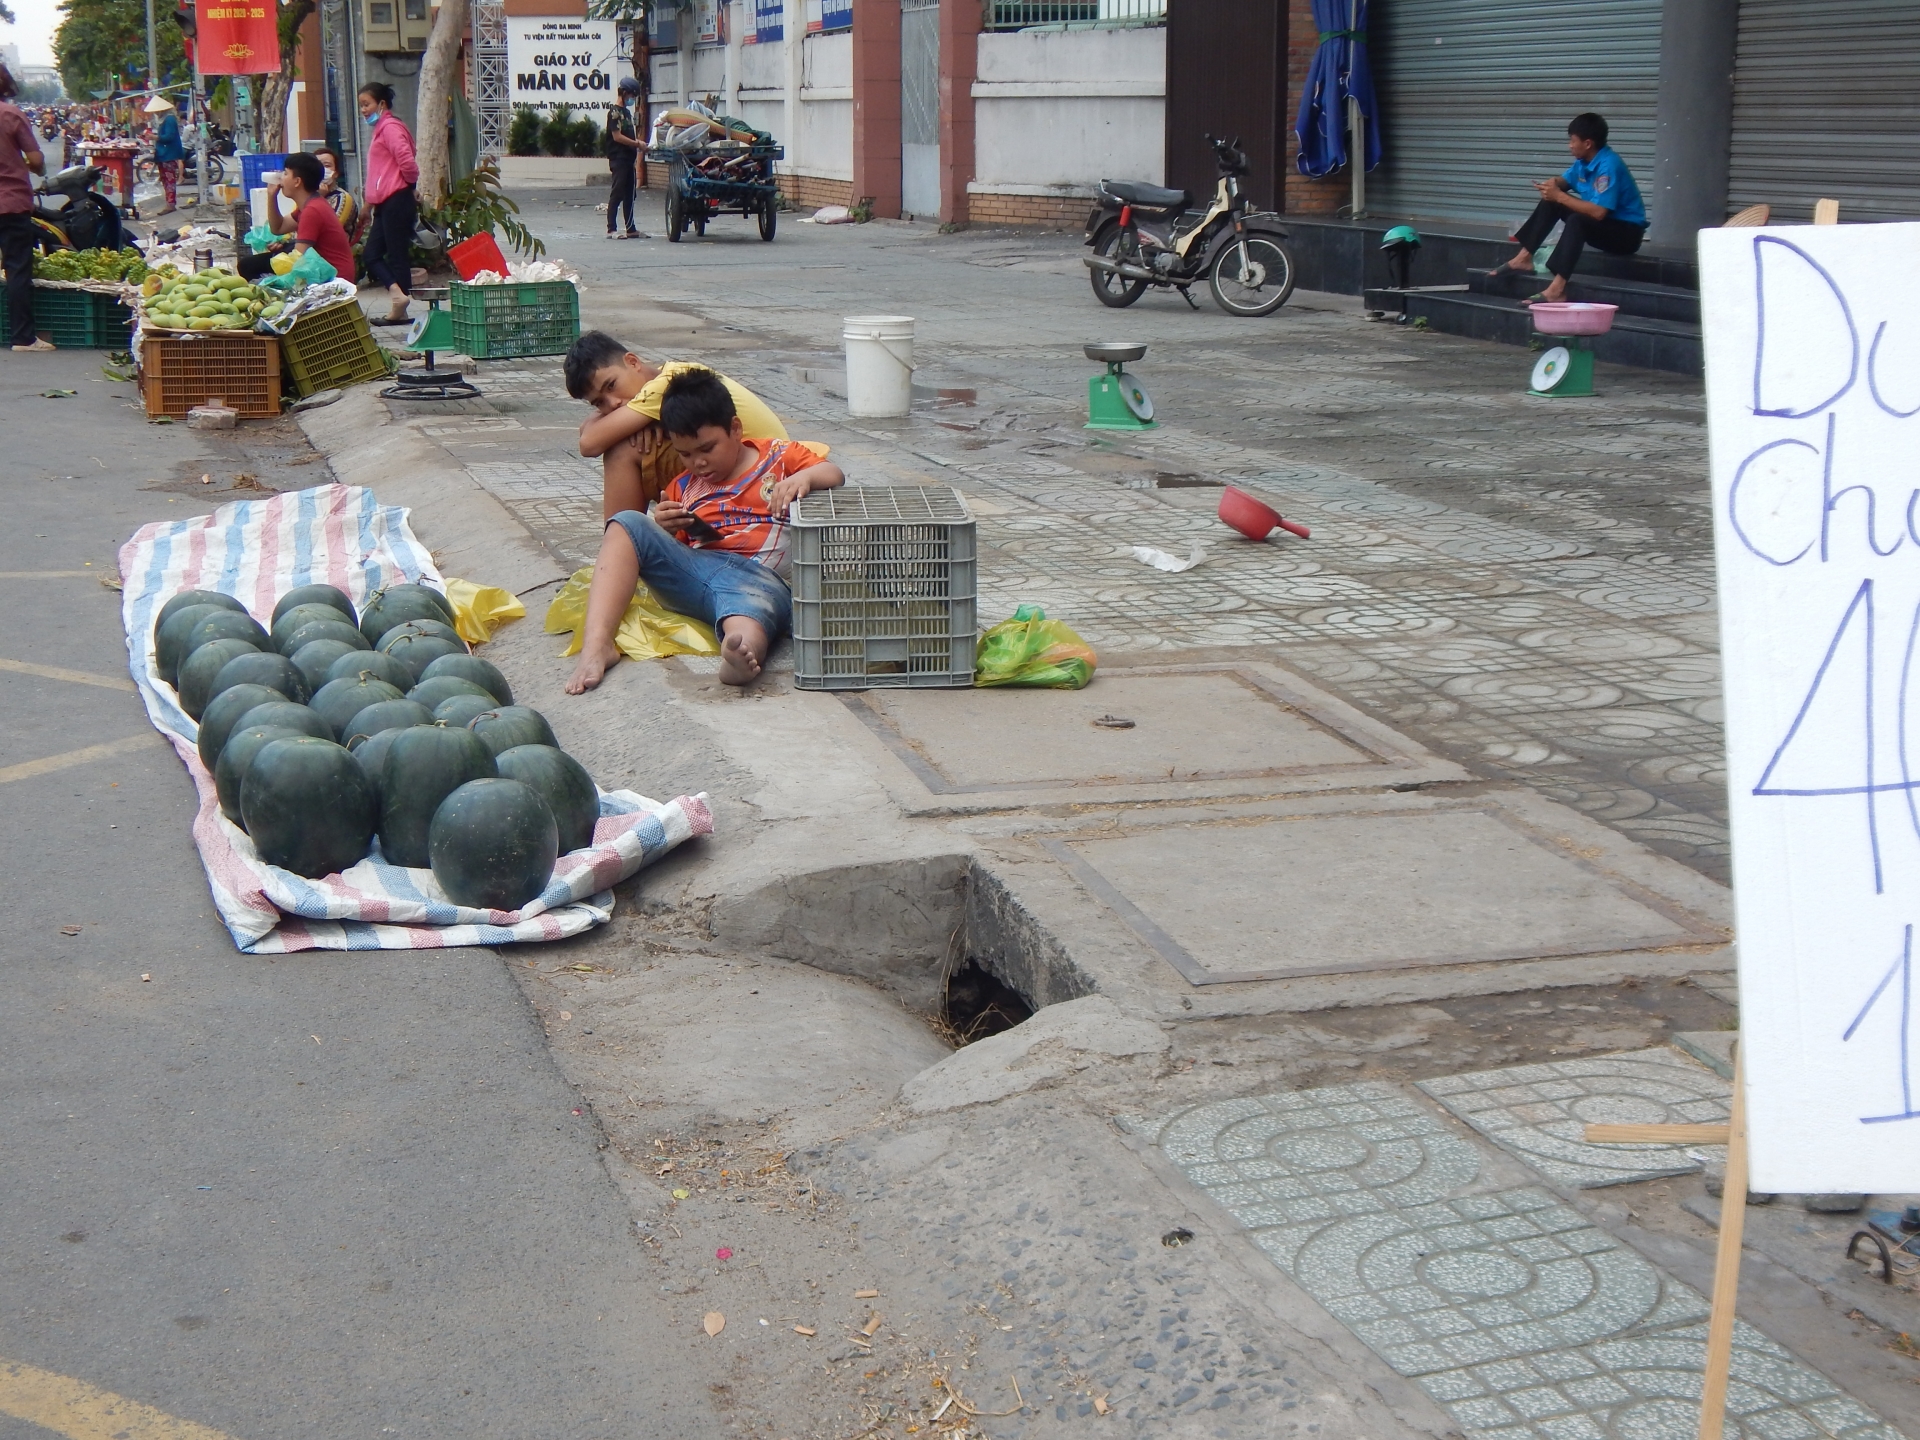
(1253, 518)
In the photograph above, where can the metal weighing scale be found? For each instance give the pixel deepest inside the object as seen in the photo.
(1565, 370)
(1115, 400)
(432, 331)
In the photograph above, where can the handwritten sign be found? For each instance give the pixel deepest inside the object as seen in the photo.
(1813, 401)
(557, 60)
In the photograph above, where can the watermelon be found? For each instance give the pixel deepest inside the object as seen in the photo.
(176, 603)
(512, 725)
(285, 715)
(224, 713)
(431, 692)
(384, 715)
(424, 765)
(380, 667)
(197, 672)
(421, 627)
(292, 620)
(308, 806)
(327, 595)
(338, 701)
(461, 709)
(334, 629)
(170, 640)
(483, 673)
(226, 625)
(371, 755)
(492, 844)
(315, 658)
(562, 782)
(416, 652)
(276, 672)
(236, 756)
(398, 604)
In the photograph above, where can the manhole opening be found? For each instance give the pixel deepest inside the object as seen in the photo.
(978, 1005)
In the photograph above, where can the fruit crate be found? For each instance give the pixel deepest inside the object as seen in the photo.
(884, 588)
(76, 319)
(497, 322)
(328, 348)
(178, 372)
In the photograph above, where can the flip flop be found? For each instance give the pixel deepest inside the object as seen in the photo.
(389, 320)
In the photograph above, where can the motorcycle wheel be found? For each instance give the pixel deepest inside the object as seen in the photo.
(1260, 286)
(1111, 289)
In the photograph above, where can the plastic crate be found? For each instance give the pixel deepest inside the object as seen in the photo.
(178, 372)
(497, 322)
(885, 588)
(76, 319)
(254, 170)
(332, 347)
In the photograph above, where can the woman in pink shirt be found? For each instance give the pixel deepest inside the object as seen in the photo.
(391, 175)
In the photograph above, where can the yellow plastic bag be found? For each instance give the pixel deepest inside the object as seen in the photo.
(1030, 649)
(479, 610)
(648, 631)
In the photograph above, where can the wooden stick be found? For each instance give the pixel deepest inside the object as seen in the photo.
(1656, 1134)
(1726, 1266)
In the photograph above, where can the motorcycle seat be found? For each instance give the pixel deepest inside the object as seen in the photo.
(1150, 197)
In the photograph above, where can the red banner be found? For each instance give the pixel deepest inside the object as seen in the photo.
(238, 38)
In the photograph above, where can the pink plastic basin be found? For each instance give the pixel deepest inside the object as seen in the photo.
(1572, 317)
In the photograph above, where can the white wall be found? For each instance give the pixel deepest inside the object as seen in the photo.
(826, 107)
(1057, 112)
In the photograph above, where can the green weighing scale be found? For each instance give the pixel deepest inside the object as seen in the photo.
(431, 332)
(1115, 400)
(1566, 370)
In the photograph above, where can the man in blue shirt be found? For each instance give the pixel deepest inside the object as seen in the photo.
(1594, 200)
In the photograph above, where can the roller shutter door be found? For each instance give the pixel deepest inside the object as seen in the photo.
(1826, 103)
(1476, 94)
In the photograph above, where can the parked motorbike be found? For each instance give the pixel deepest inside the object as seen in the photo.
(1144, 235)
(70, 214)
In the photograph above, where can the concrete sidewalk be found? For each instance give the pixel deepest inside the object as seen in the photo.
(1409, 865)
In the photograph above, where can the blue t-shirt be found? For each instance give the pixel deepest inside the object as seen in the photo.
(1605, 181)
(166, 143)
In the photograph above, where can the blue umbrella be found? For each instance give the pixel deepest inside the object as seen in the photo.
(1340, 68)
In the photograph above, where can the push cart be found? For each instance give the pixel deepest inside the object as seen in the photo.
(721, 177)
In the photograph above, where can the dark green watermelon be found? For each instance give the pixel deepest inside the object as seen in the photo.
(308, 806)
(338, 701)
(562, 782)
(315, 658)
(492, 844)
(276, 672)
(460, 710)
(512, 725)
(335, 629)
(227, 625)
(371, 754)
(384, 715)
(223, 715)
(176, 603)
(301, 615)
(285, 715)
(421, 627)
(236, 755)
(327, 595)
(483, 673)
(431, 692)
(380, 667)
(197, 672)
(416, 652)
(398, 604)
(425, 764)
(170, 640)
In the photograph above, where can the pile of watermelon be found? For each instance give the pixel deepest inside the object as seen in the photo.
(329, 727)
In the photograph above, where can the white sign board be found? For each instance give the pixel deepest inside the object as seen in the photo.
(1813, 400)
(554, 61)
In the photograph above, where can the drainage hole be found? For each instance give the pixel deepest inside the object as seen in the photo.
(979, 1005)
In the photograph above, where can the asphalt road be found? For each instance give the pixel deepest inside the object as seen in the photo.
(317, 1195)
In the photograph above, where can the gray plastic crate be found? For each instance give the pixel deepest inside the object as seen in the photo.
(884, 588)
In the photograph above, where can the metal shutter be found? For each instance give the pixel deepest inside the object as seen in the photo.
(1475, 96)
(1826, 103)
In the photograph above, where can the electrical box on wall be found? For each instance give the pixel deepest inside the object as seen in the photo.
(396, 27)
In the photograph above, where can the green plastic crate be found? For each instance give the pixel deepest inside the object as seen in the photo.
(496, 322)
(329, 348)
(76, 319)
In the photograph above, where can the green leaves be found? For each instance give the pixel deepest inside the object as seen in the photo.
(476, 205)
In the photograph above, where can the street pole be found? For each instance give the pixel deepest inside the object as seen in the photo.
(200, 99)
(153, 54)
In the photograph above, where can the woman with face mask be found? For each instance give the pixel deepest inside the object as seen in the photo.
(392, 172)
(333, 190)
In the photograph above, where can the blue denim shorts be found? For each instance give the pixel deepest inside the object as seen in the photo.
(709, 585)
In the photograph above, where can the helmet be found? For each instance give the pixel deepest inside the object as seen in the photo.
(629, 85)
(1400, 235)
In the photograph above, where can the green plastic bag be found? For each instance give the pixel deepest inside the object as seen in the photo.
(310, 269)
(1030, 649)
(260, 239)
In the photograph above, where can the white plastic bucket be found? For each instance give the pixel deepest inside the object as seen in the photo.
(879, 364)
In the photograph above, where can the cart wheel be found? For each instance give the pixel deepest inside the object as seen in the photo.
(676, 215)
(769, 219)
(700, 224)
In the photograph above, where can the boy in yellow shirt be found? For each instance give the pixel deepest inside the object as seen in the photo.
(625, 391)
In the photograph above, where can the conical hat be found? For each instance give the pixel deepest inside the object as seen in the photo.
(157, 104)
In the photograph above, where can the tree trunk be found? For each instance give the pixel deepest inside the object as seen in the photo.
(436, 89)
(270, 93)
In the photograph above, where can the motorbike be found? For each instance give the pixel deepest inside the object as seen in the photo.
(1144, 235)
(83, 218)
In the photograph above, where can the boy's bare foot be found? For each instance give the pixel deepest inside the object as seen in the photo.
(738, 664)
(593, 667)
